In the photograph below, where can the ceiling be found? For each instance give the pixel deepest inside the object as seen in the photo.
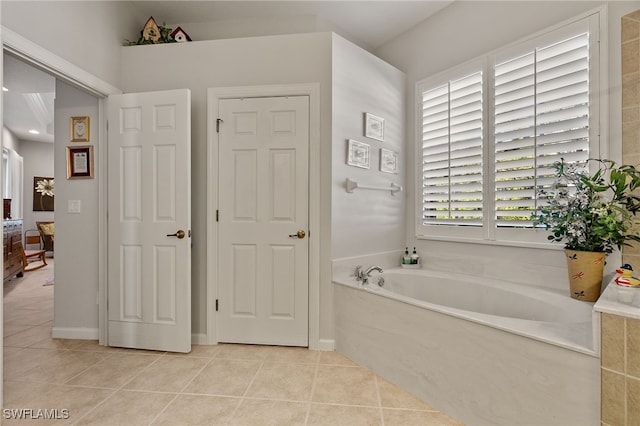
(372, 23)
(28, 105)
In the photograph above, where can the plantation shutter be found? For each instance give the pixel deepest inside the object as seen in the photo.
(541, 115)
(452, 136)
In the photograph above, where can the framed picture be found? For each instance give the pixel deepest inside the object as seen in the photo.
(80, 162)
(79, 129)
(358, 154)
(373, 126)
(388, 161)
(43, 194)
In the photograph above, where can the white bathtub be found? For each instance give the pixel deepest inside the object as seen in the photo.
(484, 351)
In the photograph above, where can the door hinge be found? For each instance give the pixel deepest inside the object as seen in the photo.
(218, 121)
(216, 305)
(217, 215)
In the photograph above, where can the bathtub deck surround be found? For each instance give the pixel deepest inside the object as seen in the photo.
(492, 363)
(620, 366)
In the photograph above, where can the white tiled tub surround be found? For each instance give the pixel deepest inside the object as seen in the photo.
(479, 368)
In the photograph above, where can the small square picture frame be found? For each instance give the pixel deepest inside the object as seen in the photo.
(80, 162)
(373, 126)
(388, 161)
(80, 129)
(358, 154)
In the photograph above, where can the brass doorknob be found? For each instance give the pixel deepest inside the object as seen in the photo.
(180, 234)
(300, 234)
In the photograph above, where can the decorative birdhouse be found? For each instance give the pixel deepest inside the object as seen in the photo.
(151, 31)
(180, 35)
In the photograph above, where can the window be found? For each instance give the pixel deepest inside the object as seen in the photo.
(452, 152)
(490, 131)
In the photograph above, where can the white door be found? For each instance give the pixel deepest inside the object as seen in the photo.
(263, 281)
(149, 221)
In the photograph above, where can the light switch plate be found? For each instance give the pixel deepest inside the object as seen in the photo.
(73, 206)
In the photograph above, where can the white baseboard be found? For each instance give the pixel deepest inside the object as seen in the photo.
(199, 339)
(327, 345)
(81, 333)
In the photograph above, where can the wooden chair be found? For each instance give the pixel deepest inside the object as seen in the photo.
(29, 256)
(47, 233)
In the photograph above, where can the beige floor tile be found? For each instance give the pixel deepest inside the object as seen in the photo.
(76, 401)
(9, 350)
(9, 330)
(345, 385)
(202, 351)
(336, 358)
(343, 415)
(266, 413)
(128, 408)
(89, 345)
(19, 394)
(51, 343)
(25, 317)
(283, 381)
(395, 417)
(195, 410)
(220, 384)
(222, 376)
(26, 338)
(16, 364)
(254, 352)
(114, 371)
(291, 355)
(168, 374)
(392, 396)
(62, 366)
(133, 351)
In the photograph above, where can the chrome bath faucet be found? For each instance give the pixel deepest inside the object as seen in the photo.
(364, 275)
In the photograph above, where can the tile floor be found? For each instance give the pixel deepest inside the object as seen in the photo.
(223, 384)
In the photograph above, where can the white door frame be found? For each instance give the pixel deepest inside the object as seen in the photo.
(213, 96)
(42, 58)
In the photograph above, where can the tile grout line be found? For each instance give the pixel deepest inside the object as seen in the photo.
(313, 389)
(244, 394)
(177, 395)
(206, 364)
(380, 412)
(113, 392)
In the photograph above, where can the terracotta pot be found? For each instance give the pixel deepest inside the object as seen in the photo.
(585, 274)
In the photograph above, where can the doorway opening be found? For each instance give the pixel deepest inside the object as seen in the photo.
(29, 194)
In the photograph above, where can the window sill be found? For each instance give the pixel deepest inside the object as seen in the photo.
(523, 244)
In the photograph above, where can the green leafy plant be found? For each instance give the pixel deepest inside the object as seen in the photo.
(591, 212)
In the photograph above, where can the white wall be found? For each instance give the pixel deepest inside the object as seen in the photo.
(464, 31)
(38, 161)
(16, 187)
(302, 58)
(9, 140)
(76, 242)
(86, 33)
(366, 221)
(264, 26)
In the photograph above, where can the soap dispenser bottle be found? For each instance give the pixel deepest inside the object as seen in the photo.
(406, 259)
(415, 259)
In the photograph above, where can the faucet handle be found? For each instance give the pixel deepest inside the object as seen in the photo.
(358, 273)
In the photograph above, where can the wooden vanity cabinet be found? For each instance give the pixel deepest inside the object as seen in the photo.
(12, 236)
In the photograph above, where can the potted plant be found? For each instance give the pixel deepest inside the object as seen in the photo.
(592, 214)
